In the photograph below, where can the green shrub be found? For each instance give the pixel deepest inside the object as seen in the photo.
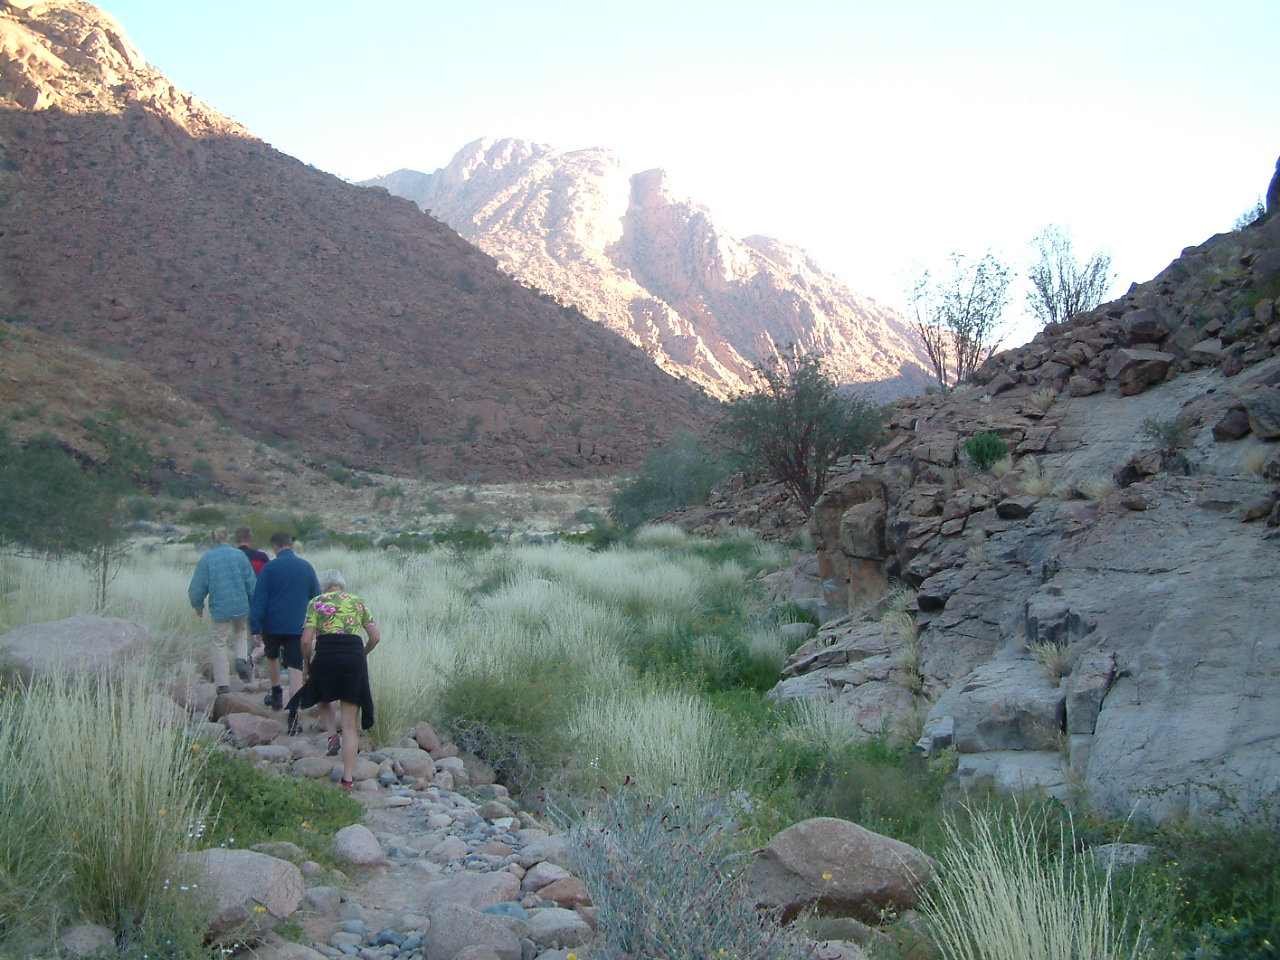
(511, 718)
(984, 449)
(1171, 434)
(463, 539)
(677, 474)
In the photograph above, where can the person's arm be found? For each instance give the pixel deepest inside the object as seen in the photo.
(375, 638)
(198, 588)
(308, 640)
(258, 604)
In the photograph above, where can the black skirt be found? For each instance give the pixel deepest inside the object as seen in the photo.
(338, 671)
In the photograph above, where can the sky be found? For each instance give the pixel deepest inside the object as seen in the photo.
(878, 135)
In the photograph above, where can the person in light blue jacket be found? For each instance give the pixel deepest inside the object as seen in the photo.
(225, 577)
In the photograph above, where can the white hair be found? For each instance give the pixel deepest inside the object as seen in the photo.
(332, 578)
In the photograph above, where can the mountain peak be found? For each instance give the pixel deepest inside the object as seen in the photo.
(653, 265)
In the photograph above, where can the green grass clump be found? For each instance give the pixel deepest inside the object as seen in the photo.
(251, 806)
(1222, 881)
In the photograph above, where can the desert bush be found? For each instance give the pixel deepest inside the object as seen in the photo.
(1171, 434)
(1224, 876)
(663, 875)
(680, 473)
(1001, 895)
(984, 448)
(796, 425)
(848, 774)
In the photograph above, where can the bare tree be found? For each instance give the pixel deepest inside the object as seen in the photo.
(1061, 286)
(957, 314)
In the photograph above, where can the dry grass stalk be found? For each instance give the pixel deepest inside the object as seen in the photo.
(1035, 481)
(1051, 656)
(1095, 486)
(1044, 399)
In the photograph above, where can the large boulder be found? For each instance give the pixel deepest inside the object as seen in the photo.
(81, 644)
(839, 867)
(250, 892)
(474, 890)
(455, 928)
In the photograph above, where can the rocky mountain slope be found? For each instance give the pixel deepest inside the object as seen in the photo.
(1099, 614)
(658, 269)
(141, 224)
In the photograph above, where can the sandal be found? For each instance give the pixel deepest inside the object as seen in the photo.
(348, 785)
(334, 745)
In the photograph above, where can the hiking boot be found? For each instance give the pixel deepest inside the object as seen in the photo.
(223, 689)
(334, 745)
(275, 699)
(243, 670)
(295, 726)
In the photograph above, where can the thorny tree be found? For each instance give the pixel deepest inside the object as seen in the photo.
(1061, 286)
(796, 425)
(957, 315)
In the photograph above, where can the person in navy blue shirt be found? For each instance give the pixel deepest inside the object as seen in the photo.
(284, 587)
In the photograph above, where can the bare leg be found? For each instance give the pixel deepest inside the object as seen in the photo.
(295, 679)
(273, 674)
(327, 720)
(350, 739)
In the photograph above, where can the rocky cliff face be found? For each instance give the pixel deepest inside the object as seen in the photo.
(138, 222)
(658, 269)
(1101, 613)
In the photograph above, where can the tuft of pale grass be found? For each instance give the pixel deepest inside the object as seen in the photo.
(900, 599)
(658, 536)
(906, 727)
(1035, 481)
(1001, 896)
(1095, 486)
(1254, 460)
(1052, 658)
(827, 727)
(116, 786)
(1044, 399)
(658, 737)
(1002, 467)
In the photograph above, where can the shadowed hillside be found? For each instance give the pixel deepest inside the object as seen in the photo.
(140, 223)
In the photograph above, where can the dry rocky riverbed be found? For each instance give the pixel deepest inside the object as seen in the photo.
(444, 865)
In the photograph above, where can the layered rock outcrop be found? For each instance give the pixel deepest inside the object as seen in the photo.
(658, 269)
(1100, 613)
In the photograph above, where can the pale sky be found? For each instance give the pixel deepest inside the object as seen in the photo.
(878, 135)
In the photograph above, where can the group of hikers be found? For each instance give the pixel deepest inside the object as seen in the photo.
(309, 623)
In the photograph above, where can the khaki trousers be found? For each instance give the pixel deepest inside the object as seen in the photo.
(237, 631)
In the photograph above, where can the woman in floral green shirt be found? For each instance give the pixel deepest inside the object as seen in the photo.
(339, 670)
